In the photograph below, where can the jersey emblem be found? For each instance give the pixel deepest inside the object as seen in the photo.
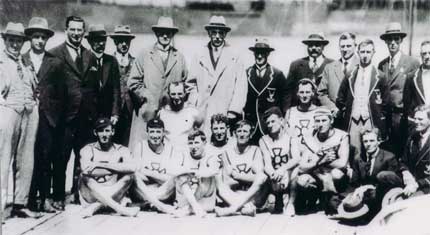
(277, 159)
(242, 168)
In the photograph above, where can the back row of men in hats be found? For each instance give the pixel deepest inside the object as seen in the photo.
(91, 85)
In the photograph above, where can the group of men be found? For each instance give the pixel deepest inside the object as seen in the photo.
(214, 136)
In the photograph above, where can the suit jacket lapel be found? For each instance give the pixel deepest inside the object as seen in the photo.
(423, 151)
(352, 80)
(86, 58)
(418, 82)
(223, 61)
(156, 59)
(173, 59)
(373, 80)
(106, 68)
(68, 59)
(379, 159)
(45, 66)
(252, 78)
(397, 69)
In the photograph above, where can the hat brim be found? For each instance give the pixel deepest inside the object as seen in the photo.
(155, 28)
(16, 35)
(29, 31)
(342, 214)
(95, 36)
(386, 35)
(122, 35)
(225, 28)
(308, 41)
(392, 196)
(269, 49)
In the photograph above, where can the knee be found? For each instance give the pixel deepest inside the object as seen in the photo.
(337, 174)
(304, 181)
(387, 176)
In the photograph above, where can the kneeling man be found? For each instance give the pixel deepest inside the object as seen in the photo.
(107, 172)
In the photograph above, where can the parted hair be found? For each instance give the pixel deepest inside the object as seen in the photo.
(197, 133)
(74, 18)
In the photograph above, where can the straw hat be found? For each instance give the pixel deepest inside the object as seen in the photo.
(217, 22)
(122, 31)
(165, 23)
(393, 29)
(14, 29)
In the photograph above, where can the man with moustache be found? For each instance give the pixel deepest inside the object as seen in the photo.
(107, 172)
(76, 59)
(281, 156)
(51, 91)
(336, 71)
(417, 87)
(310, 67)
(153, 158)
(154, 69)
(122, 38)
(241, 183)
(19, 120)
(266, 88)
(415, 162)
(300, 119)
(396, 67)
(363, 98)
(218, 77)
(322, 168)
(179, 118)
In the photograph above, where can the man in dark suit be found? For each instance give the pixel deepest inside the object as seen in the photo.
(122, 37)
(51, 92)
(414, 93)
(266, 89)
(76, 59)
(363, 97)
(310, 67)
(415, 162)
(396, 68)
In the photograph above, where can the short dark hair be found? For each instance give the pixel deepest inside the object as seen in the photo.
(272, 111)
(74, 18)
(219, 117)
(366, 42)
(196, 133)
(366, 131)
(305, 81)
(347, 35)
(242, 123)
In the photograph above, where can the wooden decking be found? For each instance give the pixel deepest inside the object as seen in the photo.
(151, 223)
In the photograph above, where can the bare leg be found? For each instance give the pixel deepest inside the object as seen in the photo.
(189, 195)
(118, 189)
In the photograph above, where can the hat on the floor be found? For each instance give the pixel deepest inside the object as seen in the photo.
(392, 196)
(352, 208)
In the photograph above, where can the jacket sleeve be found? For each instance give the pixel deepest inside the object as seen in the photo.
(407, 99)
(240, 90)
(136, 84)
(116, 92)
(322, 90)
(290, 86)
(284, 91)
(386, 107)
(191, 82)
(342, 95)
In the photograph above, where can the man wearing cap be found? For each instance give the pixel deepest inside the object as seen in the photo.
(266, 88)
(52, 102)
(363, 98)
(153, 157)
(415, 162)
(310, 67)
(218, 76)
(76, 59)
(107, 172)
(281, 156)
(154, 69)
(19, 119)
(322, 168)
(417, 87)
(335, 72)
(300, 119)
(180, 118)
(122, 38)
(396, 67)
(241, 183)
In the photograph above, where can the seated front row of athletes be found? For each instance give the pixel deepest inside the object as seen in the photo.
(228, 176)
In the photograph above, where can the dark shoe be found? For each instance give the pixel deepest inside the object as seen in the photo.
(58, 205)
(47, 207)
(25, 213)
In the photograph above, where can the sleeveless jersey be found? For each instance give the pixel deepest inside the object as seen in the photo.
(280, 149)
(299, 123)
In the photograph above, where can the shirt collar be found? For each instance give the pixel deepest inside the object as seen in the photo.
(163, 49)
(11, 56)
(97, 146)
(319, 60)
(72, 46)
(395, 58)
(261, 68)
(98, 55)
(34, 55)
(373, 156)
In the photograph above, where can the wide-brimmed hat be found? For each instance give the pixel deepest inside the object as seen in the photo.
(217, 22)
(38, 24)
(165, 23)
(14, 29)
(122, 31)
(316, 38)
(393, 29)
(394, 195)
(350, 209)
(96, 31)
(261, 44)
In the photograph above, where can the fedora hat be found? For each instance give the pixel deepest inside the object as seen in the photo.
(393, 29)
(96, 31)
(394, 195)
(261, 44)
(351, 208)
(38, 24)
(165, 23)
(316, 38)
(122, 31)
(217, 22)
(14, 29)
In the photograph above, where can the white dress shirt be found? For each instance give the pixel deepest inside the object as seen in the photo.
(361, 93)
(36, 59)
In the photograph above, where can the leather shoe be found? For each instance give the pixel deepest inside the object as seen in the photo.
(58, 205)
(47, 207)
(25, 213)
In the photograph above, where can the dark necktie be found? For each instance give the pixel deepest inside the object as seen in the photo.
(79, 61)
(391, 69)
(345, 67)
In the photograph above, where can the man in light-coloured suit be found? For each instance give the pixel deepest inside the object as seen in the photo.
(334, 72)
(218, 76)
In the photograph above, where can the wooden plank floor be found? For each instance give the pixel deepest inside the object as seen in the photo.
(151, 223)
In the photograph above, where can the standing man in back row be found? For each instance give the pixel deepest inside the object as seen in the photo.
(396, 67)
(218, 76)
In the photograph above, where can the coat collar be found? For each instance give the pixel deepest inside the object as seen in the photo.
(86, 56)
(252, 76)
(158, 61)
(418, 82)
(374, 78)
